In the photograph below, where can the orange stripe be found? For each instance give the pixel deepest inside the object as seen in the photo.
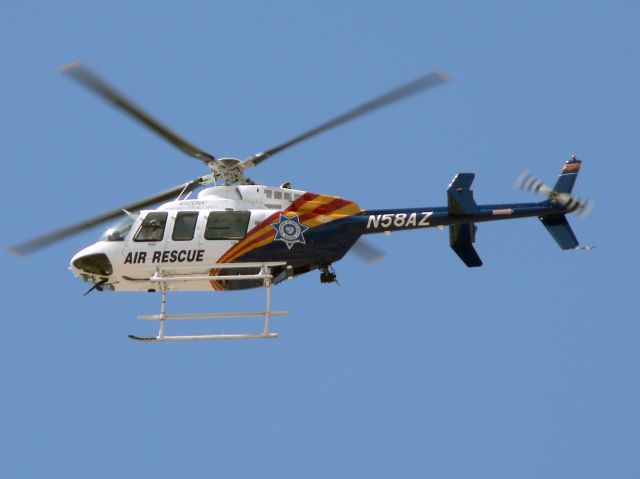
(241, 247)
(325, 208)
(265, 231)
(347, 210)
(309, 207)
(302, 200)
(264, 226)
(571, 167)
(245, 247)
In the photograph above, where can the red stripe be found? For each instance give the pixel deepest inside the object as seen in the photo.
(301, 201)
(325, 208)
(322, 209)
(266, 224)
(268, 232)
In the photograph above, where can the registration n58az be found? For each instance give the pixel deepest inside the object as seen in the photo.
(399, 220)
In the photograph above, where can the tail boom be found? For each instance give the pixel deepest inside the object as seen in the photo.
(462, 213)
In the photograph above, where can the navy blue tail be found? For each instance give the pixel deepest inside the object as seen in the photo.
(460, 202)
(557, 225)
(559, 228)
(568, 176)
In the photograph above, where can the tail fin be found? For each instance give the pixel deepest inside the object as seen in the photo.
(557, 225)
(461, 203)
(568, 176)
(561, 197)
(560, 194)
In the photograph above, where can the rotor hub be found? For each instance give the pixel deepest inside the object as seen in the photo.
(229, 170)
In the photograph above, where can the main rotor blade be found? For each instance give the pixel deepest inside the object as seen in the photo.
(57, 235)
(408, 89)
(87, 78)
(368, 252)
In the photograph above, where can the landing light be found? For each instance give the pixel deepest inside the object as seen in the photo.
(97, 264)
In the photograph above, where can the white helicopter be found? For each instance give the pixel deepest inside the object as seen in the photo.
(236, 234)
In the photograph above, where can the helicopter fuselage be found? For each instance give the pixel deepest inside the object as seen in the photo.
(224, 224)
(256, 223)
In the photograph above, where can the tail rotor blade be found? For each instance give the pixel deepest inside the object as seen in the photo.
(527, 181)
(582, 205)
(585, 208)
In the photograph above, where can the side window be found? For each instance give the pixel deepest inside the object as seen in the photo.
(152, 227)
(226, 225)
(184, 226)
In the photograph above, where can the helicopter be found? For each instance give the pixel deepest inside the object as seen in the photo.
(236, 234)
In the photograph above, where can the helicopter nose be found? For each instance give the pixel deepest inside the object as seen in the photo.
(97, 264)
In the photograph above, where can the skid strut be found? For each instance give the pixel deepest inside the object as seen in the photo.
(264, 275)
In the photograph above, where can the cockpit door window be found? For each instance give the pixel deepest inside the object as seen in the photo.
(184, 226)
(152, 227)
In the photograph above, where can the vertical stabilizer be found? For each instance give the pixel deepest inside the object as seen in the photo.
(568, 176)
(559, 228)
(461, 203)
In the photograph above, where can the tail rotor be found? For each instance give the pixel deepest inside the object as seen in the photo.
(560, 195)
(583, 206)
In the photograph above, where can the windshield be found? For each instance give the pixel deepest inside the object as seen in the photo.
(119, 231)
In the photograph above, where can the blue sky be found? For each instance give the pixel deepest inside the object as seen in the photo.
(415, 365)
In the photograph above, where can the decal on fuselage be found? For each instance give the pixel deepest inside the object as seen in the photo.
(188, 205)
(289, 230)
(399, 220)
(169, 256)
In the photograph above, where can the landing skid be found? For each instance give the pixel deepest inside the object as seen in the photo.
(203, 336)
(264, 275)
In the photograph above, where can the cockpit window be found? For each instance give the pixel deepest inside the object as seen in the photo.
(226, 225)
(184, 226)
(120, 230)
(152, 227)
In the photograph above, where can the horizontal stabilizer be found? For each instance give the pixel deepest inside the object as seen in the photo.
(559, 228)
(460, 197)
(461, 239)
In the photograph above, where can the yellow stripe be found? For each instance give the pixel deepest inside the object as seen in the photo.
(311, 205)
(306, 208)
(347, 210)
